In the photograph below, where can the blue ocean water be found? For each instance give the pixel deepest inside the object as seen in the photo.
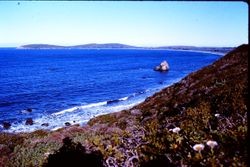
(74, 85)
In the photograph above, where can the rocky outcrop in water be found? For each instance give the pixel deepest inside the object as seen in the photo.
(45, 124)
(67, 124)
(164, 66)
(29, 109)
(6, 125)
(29, 121)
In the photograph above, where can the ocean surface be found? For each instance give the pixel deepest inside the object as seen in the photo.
(75, 85)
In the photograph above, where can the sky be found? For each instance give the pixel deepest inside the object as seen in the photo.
(141, 23)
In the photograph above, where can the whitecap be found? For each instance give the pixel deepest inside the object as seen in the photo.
(79, 108)
(124, 98)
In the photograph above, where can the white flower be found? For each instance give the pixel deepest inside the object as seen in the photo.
(216, 115)
(176, 130)
(212, 144)
(47, 154)
(198, 147)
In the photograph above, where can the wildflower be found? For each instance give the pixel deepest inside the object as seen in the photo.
(212, 144)
(198, 147)
(176, 130)
(216, 115)
(46, 154)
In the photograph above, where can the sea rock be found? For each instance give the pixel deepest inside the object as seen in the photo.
(29, 121)
(6, 125)
(45, 124)
(67, 124)
(164, 66)
(29, 109)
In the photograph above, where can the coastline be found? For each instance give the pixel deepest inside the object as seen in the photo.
(199, 50)
(57, 116)
(147, 133)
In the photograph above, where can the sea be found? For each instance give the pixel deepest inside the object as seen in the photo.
(55, 86)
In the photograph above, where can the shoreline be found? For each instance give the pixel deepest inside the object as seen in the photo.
(184, 50)
(82, 123)
(199, 51)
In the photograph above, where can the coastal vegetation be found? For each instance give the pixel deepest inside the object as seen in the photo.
(199, 121)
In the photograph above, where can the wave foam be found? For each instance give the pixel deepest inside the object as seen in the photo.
(79, 108)
(79, 114)
(124, 98)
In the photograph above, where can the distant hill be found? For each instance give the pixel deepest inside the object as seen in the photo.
(123, 46)
(41, 46)
(107, 45)
(85, 46)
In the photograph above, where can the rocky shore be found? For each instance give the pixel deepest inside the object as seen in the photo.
(199, 121)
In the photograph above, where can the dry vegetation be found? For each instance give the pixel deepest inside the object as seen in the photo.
(210, 104)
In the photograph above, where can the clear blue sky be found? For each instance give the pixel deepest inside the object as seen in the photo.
(135, 23)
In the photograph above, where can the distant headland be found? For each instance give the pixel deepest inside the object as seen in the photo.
(123, 46)
(84, 46)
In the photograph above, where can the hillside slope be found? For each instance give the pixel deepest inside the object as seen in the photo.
(210, 104)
